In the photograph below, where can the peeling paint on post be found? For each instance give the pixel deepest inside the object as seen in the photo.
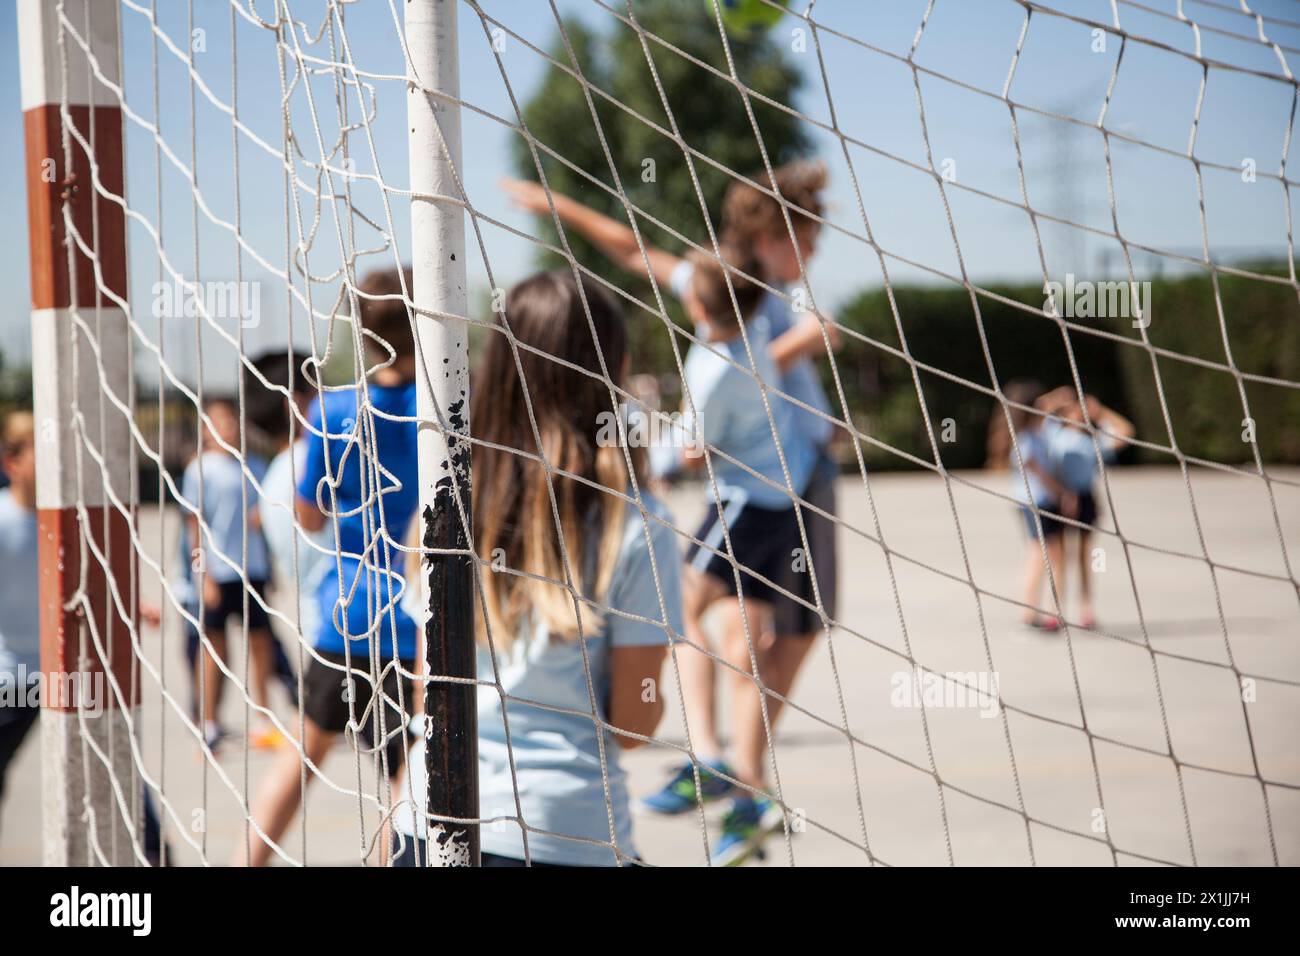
(438, 269)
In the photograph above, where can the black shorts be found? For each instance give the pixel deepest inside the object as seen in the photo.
(1052, 526)
(231, 605)
(326, 701)
(1087, 509)
(820, 493)
(766, 545)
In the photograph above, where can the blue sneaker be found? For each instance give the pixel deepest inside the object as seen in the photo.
(745, 828)
(679, 796)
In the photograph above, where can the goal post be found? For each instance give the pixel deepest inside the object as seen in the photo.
(442, 343)
(81, 365)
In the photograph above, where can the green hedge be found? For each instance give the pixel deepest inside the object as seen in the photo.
(1263, 329)
(1263, 322)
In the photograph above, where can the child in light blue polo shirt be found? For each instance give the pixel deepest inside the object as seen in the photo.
(20, 626)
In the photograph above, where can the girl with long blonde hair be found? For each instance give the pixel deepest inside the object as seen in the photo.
(580, 591)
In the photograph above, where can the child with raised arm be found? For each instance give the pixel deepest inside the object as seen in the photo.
(569, 681)
(750, 538)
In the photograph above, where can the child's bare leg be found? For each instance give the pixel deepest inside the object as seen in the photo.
(1032, 575)
(281, 792)
(1086, 616)
(399, 790)
(1056, 555)
(749, 734)
(780, 665)
(260, 665)
(210, 671)
(699, 694)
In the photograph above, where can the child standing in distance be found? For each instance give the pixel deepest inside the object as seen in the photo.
(182, 593)
(754, 226)
(572, 689)
(185, 599)
(1046, 494)
(219, 540)
(265, 410)
(1074, 464)
(349, 454)
(20, 625)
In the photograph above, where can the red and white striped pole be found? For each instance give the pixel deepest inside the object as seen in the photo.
(90, 787)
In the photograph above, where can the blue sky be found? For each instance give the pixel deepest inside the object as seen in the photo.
(968, 41)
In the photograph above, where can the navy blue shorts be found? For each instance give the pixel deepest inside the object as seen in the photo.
(230, 604)
(332, 697)
(1054, 526)
(766, 544)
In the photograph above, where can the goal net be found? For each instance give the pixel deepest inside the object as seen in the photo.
(935, 364)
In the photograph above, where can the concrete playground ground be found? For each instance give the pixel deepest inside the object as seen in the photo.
(1202, 663)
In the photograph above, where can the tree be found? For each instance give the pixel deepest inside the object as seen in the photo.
(710, 116)
(15, 385)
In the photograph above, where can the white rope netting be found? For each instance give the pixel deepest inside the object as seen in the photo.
(311, 198)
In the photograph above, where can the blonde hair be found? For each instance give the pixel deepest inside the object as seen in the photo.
(514, 521)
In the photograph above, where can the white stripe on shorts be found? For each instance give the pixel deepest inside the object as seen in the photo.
(731, 509)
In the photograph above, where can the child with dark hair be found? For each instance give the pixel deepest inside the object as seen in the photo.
(749, 539)
(1045, 497)
(1073, 459)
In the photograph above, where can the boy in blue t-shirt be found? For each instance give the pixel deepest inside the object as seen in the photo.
(358, 438)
